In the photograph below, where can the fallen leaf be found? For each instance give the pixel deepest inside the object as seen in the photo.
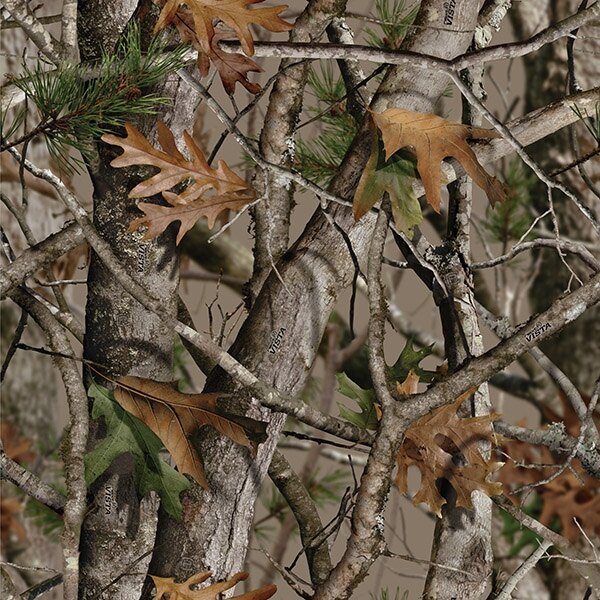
(174, 417)
(434, 443)
(234, 13)
(183, 591)
(433, 139)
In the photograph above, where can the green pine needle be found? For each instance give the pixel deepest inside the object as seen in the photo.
(511, 219)
(394, 21)
(79, 103)
(320, 158)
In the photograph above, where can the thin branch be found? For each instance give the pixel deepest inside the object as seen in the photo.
(305, 512)
(520, 150)
(35, 258)
(268, 395)
(14, 343)
(366, 541)
(286, 174)
(478, 370)
(572, 247)
(9, 24)
(589, 572)
(556, 439)
(30, 483)
(37, 33)
(76, 438)
(524, 568)
(503, 330)
(563, 311)
(324, 51)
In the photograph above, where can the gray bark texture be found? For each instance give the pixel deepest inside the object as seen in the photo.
(215, 527)
(570, 349)
(124, 537)
(120, 333)
(546, 73)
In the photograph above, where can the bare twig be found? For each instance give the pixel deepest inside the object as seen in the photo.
(305, 513)
(38, 256)
(24, 16)
(506, 592)
(76, 439)
(590, 572)
(572, 247)
(30, 483)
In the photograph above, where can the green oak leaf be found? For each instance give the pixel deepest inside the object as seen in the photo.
(409, 359)
(367, 417)
(127, 434)
(394, 177)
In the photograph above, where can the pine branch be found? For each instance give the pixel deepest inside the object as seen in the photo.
(78, 103)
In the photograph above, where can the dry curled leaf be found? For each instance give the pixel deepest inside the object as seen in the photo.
(174, 417)
(234, 13)
(194, 202)
(232, 66)
(433, 139)
(157, 218)
(572, 495)
(166, 588)
(443, 445)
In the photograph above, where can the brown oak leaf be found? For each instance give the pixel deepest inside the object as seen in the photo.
(157, 218)
(10, 509)
(433, 139)
(17, 447)
(566, 498)
(571, 495)
(434, 443)
(166, 587)
(232, 67)
(234, 13)
(174, 169)
(174, 417)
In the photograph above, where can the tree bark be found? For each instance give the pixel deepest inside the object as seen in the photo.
(120, 333)
(214, 531)
(570, 349)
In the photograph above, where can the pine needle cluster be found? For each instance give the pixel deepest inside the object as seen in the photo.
(510, 220)
(78, 103)
(395, 20)
(318, 158)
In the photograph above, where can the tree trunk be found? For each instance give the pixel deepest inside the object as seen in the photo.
(121, 334)
(570, 350)
(214, 531)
